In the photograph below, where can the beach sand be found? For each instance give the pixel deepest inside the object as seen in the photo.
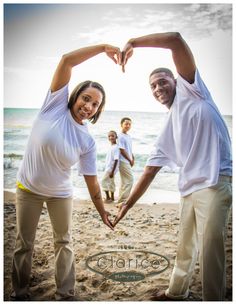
(152, 228)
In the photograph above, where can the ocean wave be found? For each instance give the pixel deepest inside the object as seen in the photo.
(166, 169)
(10, 131)
(12, 160)
(9, 164)
(12, 139)
(16, 128)
(13, 156)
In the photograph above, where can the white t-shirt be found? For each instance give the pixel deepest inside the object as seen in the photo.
(57, 142)
(194, 138)
(112, 155)
(125, 142)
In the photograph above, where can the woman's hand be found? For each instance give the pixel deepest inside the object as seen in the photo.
(114, 53)
(106, 220)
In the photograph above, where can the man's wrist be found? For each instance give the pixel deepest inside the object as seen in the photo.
(132, 42)
(125, 204)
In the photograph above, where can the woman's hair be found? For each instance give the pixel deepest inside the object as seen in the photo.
(80, 88)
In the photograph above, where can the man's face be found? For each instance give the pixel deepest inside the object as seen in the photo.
(163, 88)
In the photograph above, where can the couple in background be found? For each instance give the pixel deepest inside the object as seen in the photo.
(119, 157)
(194, 138)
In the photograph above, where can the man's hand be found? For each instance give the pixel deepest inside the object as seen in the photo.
(123, 209)
(106, 220)
(114, 53)
(126, 54)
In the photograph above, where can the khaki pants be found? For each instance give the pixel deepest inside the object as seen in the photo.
(203, 223)
(28, 209)
(127, 180)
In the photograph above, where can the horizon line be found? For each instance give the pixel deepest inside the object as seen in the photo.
(139, 111)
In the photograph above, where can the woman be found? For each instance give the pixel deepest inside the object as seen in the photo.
(58, 140)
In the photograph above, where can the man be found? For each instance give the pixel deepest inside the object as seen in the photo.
(194, 138)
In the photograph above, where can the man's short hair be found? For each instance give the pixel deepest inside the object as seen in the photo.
(124, 119)
(165, 70)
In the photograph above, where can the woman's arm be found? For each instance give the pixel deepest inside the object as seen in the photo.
(96, 196)
(62, 74)
(181, 53)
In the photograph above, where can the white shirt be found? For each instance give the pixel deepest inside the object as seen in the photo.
(125, 142)
(194, 138)
(112, 155)
(56, 143)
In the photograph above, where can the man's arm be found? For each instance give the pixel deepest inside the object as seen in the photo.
(96, 196)
(140, 188)
(181, 53)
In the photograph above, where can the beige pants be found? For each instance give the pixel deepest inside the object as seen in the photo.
(203, 223)
(108, 184)
(28, 209)
(126, 179)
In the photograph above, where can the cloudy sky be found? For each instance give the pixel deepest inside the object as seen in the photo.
(36, 35)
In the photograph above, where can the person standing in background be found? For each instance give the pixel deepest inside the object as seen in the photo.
(126, 160)
(111, 167)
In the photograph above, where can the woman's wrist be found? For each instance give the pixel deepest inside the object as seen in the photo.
(104, 47)
(101, 47)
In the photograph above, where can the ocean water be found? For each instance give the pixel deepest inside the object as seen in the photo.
(145, 129)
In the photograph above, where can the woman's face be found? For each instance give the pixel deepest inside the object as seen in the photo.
(87, 104)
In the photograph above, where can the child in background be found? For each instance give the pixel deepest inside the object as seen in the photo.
(111, 168)
(126, 160)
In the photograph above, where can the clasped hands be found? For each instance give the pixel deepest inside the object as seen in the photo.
(117, 56)
(122, 210)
